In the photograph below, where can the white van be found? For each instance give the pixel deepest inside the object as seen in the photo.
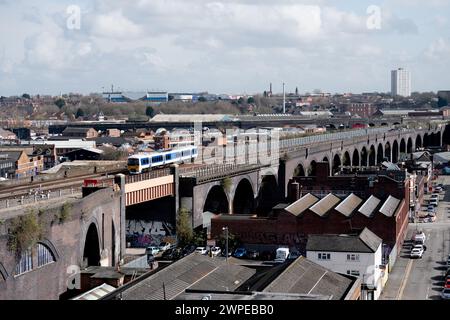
(282, 254)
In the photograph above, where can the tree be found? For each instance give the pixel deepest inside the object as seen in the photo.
(150, 112)
(26, 96)
(80, 113)
(233, 242)
(250, 100)
(184, 229)
(202, 99)
(60, 103)
(241, 100)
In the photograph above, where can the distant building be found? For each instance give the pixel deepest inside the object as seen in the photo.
(364, 110)
(25, 165)
(401, 83)
(7, 135)
(75, 132)
(113, 133)
(125, 97)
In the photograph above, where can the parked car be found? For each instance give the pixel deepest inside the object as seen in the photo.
(252, 254)
(434, 202)
(431, 208)
(163, 246)
(215, 251)
(419, 237)
(438, 189)
(447, 283)
(448, 261)
(282, 254)
(187, 250)
(168, 254)
(445, 294)
(201, 250)
(153, 250)
(294, 255)
(230, 251)
(240, 253)
(416, 252)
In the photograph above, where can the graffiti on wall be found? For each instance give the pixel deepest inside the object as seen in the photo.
(143, 233)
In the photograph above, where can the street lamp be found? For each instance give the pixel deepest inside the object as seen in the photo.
(226, 243)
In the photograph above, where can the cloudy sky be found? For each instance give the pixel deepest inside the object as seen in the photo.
(221, 46)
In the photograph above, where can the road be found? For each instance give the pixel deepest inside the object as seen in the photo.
(422, 279)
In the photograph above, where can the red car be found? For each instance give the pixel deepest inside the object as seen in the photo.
(447, 284)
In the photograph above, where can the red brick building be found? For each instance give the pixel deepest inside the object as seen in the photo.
(330, 205)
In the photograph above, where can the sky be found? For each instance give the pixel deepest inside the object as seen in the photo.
(234, 47)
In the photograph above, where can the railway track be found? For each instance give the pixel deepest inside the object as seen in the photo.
(66, 183)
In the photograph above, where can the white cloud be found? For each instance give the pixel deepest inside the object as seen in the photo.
(115, 25)
(438, 50)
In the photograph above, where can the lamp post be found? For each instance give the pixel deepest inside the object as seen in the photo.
(226, 243)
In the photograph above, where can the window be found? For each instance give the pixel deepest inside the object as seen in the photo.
(353, 273)
(26, 262)
(44, 255)
(324, 256)
(352, 257)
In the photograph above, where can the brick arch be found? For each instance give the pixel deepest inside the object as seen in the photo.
(85, 228)
(210, 189)
(51, 248)
(244, 197)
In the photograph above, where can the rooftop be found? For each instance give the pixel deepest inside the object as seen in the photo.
(365, 242)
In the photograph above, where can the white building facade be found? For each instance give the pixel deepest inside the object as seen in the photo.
(401, 82)
(367, 264)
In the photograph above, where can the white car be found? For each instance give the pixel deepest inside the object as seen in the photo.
(152, 250)
(163, 246)
(445, 294)
(215, 251)
(419, 237)
(416, 252)
(201, 250)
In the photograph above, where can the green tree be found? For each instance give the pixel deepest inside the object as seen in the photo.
(80, 113)
(26, 96)
(251, 100)
(240, 100)
(184, 230)
(202, 99)
(150, 112)
(60, 103)
(233, 242)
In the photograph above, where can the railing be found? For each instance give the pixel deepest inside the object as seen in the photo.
(148, 175)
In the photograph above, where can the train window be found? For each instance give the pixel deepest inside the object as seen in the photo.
(133, 162)
(169, 156)
(157, 159)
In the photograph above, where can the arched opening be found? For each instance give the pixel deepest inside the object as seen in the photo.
(402, 146)
(380, 154)
(355, 159)
(312, 171)
(371, 125)
(446, 136)
(346, 161)
(113, 244)
(372, 156)
(91, 254)
(364, 157)
(336, 164)
(409, 146)
(243, 201)
(419, 142)
(436, 139)
(299, 171)
(268, 195)
(426, 140)
(331, 126)
(395, 152)
(387, 152)
(216, 201)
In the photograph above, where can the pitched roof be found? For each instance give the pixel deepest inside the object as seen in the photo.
(368, 208)
(389, 206)
(96, 293)
(299, 206)
(193, 271)
(305, 277)
(325, 205)
(365, 242)
(349, 205)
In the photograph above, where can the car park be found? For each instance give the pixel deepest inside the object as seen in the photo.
(240, 253)
(416, 252)
(215, 251)
(201, 250)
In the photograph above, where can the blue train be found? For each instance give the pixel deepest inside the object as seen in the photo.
(144, 162)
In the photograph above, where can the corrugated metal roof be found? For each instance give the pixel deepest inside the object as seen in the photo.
(306, 277)
(96, 293)
(369, 206)
(299, 206)
(389, 206)
(349, 205)
(324, 205)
